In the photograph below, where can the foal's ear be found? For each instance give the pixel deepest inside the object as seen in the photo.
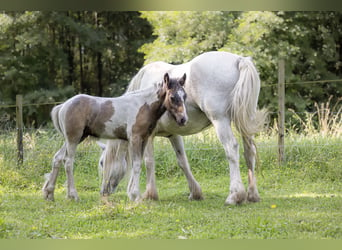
(166, 79)
(182, 80)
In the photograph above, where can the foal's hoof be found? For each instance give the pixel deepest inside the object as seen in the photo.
(196, 192)
(48, 195)
(196, 197)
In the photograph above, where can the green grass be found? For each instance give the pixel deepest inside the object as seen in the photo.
(300, 200)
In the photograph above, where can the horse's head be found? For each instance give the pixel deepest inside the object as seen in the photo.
(175, 98)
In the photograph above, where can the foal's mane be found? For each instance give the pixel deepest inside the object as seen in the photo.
(156, 86)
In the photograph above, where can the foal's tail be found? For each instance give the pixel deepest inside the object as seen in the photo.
(55, 117)
(247, 119)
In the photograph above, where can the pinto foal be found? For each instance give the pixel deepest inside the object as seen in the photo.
(131, 117)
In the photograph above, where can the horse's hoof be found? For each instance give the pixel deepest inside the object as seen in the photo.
(236, 198)
(150, 195)
(135, 196)
(73, 196)
(253, 195)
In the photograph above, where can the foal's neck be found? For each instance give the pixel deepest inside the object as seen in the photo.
(149, 114)
(157, 107)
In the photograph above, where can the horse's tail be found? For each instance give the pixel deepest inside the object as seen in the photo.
(247, 119)
(55, 117)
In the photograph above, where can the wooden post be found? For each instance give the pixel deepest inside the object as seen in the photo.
(19, 118)
(281, 111)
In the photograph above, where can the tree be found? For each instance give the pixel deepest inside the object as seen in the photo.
(50, 56)
(182, 35)
(310, 43)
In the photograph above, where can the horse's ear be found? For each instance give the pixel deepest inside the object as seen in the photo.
(182, 80)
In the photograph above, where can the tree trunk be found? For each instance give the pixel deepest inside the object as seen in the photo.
(99, 62)
(70, 55)
(80, 50)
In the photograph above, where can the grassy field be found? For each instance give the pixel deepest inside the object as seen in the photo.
(300, 200)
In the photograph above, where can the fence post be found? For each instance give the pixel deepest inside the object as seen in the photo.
(281, 111)
(19, 121)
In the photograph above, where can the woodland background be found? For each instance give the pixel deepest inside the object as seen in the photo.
(49, 56)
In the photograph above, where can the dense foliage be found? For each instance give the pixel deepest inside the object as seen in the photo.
(310, 43)
(49, 56)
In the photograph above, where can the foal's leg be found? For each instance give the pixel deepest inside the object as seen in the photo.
(250, 154)
(69, 164)
(151, 188)
(178, 146)
(49, 185)
(136, 149)
(225, 134)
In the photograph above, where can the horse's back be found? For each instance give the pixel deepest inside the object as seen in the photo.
(149, 75)
(216, 68)
(212, 78)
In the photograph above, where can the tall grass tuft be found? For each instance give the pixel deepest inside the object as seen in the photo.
(325, 121)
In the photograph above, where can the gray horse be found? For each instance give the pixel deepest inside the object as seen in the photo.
(221, 88)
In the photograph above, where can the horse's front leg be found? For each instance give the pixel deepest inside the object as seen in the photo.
(178, 146)
(136, 149)
(151, 188)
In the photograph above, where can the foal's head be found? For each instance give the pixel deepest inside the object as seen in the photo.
(175, 98)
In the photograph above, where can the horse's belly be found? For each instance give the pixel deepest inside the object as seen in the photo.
(197, 122)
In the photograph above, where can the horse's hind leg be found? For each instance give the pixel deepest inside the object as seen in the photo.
(114, 166)
(136, 151)
(151, 188)
(225, 134)
(178, 146)
(49, 185)
(69, 164)
(250, 154)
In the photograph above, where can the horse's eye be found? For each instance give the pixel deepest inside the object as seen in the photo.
(172, 98)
